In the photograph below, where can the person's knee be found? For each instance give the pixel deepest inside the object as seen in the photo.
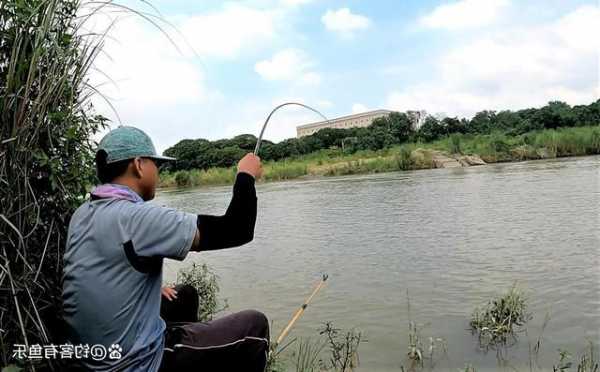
(186, 290)
(259, 322)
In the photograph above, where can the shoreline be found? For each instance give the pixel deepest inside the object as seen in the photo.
(451, 152)
(317, 177)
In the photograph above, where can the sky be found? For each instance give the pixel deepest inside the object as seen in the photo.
(182, 69)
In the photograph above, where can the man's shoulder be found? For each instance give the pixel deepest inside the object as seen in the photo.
(109, 208)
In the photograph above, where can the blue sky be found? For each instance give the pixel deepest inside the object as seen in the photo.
(238, 59)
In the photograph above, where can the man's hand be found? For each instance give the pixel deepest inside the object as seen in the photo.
(169, 293)
(250, 164)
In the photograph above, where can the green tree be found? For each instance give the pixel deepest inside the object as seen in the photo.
(431, 129)
(554, 115)
(400, 125)
(454, 125)
(483, 122)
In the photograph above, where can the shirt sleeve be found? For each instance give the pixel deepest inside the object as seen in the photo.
(157, 231)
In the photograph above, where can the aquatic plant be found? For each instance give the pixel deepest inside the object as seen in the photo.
(420, 352)
(587, 361)
(500, 319)
(343, 348)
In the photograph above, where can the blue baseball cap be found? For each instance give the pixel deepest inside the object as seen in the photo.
(125, 142)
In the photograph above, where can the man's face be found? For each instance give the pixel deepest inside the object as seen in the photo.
(149, 178)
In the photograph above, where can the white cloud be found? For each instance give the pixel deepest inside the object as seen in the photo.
(151, 81)
(289, 65)
(464, 14)
(357, 108)
(229, 31)
(146, 68)
(344, 22)
(513, 68)
(580, 29)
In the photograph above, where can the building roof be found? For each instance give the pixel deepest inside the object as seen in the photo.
(341, 118)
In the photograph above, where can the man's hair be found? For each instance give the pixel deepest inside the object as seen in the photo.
(108, 172)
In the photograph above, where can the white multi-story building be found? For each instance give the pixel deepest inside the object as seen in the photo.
(363, 119)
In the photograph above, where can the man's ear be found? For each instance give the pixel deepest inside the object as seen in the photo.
(137, 167)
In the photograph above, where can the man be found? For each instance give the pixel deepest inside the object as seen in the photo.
(113, 270)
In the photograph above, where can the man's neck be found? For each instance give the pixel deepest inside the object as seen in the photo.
(129, 183)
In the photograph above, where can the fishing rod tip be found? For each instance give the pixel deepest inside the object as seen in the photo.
(325, 276)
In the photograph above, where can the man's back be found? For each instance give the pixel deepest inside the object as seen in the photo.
(113, 276)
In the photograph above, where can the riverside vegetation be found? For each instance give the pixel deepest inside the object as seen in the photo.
(491, 148)
(497, 325)
(46, 161)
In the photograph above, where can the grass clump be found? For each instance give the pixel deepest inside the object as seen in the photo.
(205, 281)
(335, 350)
(498, 321)
(307, 357)
(343, 347)
(404, 159)
(455, 144)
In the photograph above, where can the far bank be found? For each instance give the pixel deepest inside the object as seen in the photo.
(453, 151)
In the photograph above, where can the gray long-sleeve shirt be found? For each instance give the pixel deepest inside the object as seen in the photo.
(113, 276)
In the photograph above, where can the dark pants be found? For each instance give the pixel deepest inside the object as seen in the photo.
(236, 342)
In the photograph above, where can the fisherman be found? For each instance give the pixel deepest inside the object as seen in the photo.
(112, 292)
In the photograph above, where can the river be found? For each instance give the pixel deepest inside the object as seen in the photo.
(449, 238)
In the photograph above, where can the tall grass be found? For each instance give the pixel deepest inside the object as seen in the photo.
(46, 158)
(277, 171)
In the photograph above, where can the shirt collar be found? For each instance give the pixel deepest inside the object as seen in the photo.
(114, 190)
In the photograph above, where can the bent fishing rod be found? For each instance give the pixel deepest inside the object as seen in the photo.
(304, 305)
(259, 140)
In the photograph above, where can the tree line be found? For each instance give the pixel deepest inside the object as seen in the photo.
(393, 129)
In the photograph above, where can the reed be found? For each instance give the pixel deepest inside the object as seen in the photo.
(46, 160)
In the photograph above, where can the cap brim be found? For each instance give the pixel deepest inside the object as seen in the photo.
(162, 159)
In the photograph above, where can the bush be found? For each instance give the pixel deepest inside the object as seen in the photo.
(454, 145)
(404, 159)
(183, 178)
(205, 282)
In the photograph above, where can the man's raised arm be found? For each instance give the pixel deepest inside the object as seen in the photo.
(236, 226)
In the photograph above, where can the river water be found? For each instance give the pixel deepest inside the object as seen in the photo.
(446, 239)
